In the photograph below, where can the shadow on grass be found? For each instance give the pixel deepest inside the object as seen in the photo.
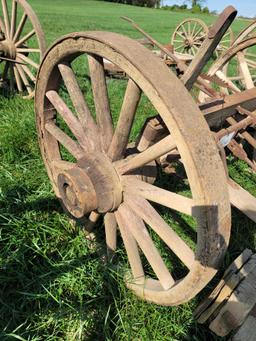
(51, 278)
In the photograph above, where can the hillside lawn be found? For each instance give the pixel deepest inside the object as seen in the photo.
(53, 284)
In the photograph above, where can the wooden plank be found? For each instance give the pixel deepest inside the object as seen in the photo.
(247, 332)
(211, 303)
(217, 114)
(239, 305)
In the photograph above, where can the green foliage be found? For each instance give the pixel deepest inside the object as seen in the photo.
(196, 9)
(142, 3)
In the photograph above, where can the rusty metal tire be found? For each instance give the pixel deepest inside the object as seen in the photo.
(99, 160)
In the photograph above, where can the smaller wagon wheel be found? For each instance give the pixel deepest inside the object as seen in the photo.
(22, 45)
(189, 36)
(95, 170)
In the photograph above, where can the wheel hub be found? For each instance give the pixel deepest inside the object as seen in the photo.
(189, 42)
(8, 48)
(93, 184)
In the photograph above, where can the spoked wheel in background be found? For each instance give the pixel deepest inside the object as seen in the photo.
(22, 45)
(189, 36)
(96, 170)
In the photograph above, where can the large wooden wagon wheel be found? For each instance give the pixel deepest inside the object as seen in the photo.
(22, 45)
(94, 173)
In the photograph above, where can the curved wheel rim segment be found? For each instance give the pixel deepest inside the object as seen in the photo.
(237, 66)
(189, 36)
(114, 185)
(22, 45)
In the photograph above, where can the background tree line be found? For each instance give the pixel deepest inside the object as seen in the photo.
(196, 6)
(142, 3)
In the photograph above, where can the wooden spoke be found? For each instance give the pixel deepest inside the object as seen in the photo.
(20, 27)
(68, 117)
(184, 31)
(189, 28)
(179, 34)
(13, 19)
(24, 78)
(27, 60)
(125, 121)
(25, 38)
(2, 26)
(92, 220)
(130, 245)
(144, 210)
(17, 79)
(80, 105)
(244, 69)
(6, 18)
(71, 146)
(158, 195)
(28, 50)
(180, 47)
(152, 153)
(111, 233)
(29, 73)
(137, 228)
(197, 33)
(61, 165)
(100, 94)
(193, 29)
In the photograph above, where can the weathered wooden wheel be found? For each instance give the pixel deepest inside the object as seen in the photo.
(91, 169)
(22, 44)
(189, 36)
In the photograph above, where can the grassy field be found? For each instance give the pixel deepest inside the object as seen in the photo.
(53, 284)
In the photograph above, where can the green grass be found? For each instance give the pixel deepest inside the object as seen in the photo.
(53, 283)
